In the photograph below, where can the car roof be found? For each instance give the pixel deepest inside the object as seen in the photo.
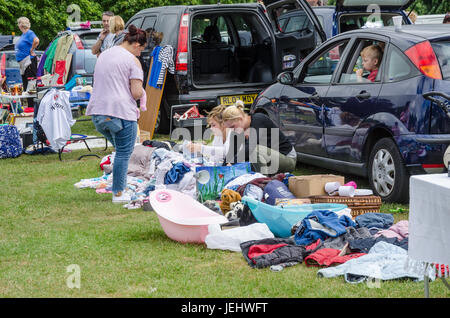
(197, 7)
(409, 34)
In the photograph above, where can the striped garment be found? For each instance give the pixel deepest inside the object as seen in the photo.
(166, 58)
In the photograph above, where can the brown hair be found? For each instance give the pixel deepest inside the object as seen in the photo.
(157, 37)
(374, 51)
(136, 35)
(446, 18)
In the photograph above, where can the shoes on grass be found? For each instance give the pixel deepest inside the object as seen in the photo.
(123, 198)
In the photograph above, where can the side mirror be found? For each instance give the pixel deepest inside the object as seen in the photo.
(286, 78)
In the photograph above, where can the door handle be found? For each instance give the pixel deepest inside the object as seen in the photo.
(363, 95)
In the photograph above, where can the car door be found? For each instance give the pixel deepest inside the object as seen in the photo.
(349, 101)
(303, 101)
(297, 31)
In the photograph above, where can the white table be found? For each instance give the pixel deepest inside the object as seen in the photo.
(10, 99)
(429, 220)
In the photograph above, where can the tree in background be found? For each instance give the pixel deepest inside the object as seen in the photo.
(48, 17)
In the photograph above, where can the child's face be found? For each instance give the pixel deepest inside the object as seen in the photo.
(369, 63)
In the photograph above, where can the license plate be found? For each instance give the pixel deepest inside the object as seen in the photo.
(230, 100)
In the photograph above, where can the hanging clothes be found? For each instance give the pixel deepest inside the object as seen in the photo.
(162, 62)
(166, 59)
(156, 68)
(55, 117)
(48, 66)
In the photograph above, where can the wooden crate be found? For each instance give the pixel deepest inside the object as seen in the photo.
(358, 204)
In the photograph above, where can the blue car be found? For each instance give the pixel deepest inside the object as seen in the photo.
(386, 128)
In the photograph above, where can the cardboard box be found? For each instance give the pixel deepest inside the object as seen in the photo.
(305, 186)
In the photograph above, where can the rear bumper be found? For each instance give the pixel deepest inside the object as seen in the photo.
(424, 154)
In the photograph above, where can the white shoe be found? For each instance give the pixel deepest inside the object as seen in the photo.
(124, 198)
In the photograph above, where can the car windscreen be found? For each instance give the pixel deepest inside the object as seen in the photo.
(354, 21)
(11, 60)
(88, 39)
(442, 51)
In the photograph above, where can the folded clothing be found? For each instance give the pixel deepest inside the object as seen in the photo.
(326, 257)
(365, 244)
(272, 251)
(398, 230)
(375, 220)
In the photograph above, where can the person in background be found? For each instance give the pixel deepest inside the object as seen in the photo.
(371, 60)
(118, 78)
(117, 27)
(2, 80)
(263, 142)
(221, 142)
(25, 54)
(105, 37)
(446, 18)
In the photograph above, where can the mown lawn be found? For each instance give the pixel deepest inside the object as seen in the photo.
(46, 225)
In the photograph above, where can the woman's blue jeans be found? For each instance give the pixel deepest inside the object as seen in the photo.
(122, 134)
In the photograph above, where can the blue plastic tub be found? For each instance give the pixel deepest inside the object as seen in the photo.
(281, 219)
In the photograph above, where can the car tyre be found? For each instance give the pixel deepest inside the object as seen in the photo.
(388, 175)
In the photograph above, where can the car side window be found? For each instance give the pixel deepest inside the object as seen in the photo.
(364, 65)
(149, 23)
(398, 67)
(321, 69)
(167, 24)
(292, 18)
(137, 22)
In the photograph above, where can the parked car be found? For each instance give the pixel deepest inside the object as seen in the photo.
(356, 15)
(11, 63)
(225, 52)
(385, 130)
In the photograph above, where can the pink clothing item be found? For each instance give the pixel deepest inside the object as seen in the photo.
(111, 94)
(398, 230)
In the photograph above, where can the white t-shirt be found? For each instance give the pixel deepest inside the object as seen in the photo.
(55, 117)
(218, 149)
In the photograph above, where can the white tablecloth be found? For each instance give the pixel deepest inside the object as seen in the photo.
(429, 218)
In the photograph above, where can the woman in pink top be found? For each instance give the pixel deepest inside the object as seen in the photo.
(118, 79)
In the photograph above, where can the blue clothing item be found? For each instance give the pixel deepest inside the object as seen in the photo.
(175, 174)
(122, 134)
(10, 142)
(156, 68)
(24, 44)
(276, 189)
(376, 220)
(321, 224)
(72, 83)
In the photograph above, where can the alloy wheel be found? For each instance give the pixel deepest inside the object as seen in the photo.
(383, 172)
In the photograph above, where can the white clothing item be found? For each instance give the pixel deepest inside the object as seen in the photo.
(218, 149)
(231, 239)
(243, 179)
(24, 64)
(55, 117)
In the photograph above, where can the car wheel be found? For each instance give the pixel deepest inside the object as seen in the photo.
(388, 176)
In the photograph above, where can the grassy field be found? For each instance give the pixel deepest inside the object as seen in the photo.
(46, 225)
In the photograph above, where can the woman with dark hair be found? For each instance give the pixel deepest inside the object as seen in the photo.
(118, 79)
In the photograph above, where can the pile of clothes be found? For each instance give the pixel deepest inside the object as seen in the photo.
(369, 246)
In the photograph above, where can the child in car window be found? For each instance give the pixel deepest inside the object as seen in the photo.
(371, 59)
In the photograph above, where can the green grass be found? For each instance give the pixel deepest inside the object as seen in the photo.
(46, 224)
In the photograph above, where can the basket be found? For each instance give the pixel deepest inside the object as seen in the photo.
(358, 204)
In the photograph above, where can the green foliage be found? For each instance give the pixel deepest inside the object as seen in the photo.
(48, 17)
